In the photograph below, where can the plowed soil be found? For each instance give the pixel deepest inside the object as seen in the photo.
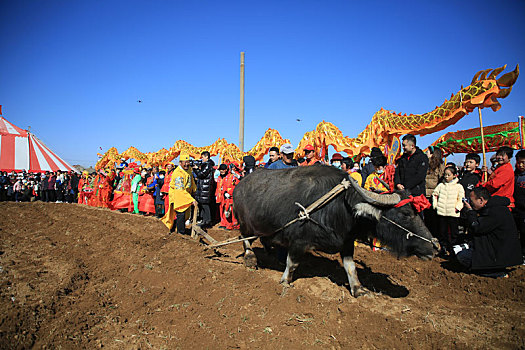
(73, 277)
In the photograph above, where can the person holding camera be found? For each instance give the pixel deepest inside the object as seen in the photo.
(205, 191)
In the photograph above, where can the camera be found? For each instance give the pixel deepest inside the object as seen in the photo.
(195, 162)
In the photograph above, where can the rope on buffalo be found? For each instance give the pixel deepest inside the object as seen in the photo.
(410, 233)
(304, 213)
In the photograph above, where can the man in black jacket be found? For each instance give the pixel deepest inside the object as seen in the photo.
(412, 167)
(205, 187)
(494, 242)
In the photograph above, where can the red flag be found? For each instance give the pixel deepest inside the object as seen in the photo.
(0, 109)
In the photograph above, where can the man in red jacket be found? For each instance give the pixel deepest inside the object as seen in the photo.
(501, 181)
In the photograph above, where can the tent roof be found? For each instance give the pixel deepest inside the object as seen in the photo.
(21, 150)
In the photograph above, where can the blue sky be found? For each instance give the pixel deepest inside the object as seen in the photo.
(74, 70)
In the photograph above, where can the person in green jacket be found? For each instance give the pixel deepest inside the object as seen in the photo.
(135, 190)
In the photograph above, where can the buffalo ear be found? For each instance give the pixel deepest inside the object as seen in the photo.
(367, 210)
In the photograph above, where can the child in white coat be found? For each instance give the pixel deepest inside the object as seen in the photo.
(448, 202)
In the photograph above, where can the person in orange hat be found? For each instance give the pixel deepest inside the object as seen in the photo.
(310, 156)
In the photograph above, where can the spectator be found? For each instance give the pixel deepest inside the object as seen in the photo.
(471, 174)
(501, 181)
(519, 198)
(273, 156)
(347, 164)
(51, 183)
(436, 169)
(4, 180)
(135, 189)
(495, 244)
(249, 165)
(224, 195)
(411, 168)
(17, 190)
(159, 200)
(368, 168)
(447, 200)
(287, 160)
(336, 160)
(164, 190)
(205, 191)
(310, 157)
(375, 182)
(182, 185)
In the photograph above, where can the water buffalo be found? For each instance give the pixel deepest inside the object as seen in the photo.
(264, 202)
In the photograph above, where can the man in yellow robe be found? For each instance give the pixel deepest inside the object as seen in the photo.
(182, 186)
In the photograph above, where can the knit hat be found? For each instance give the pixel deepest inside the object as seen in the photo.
(184, 157)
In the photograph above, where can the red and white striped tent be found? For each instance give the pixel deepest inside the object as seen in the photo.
(21, 150)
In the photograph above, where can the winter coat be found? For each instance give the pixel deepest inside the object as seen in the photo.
(280, 164)
(205, 182)
(367, 170)
(432, 179)
(495, 242)
(501, 182)
(447, 198)
(469, 180)
(411, 172)
(158, 185)
(519, 194)
(51, 182)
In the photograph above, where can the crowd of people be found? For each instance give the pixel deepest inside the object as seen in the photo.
(477, 214)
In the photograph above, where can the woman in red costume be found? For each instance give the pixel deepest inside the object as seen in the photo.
(224, 195)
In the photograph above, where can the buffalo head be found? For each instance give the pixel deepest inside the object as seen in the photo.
(400, 228)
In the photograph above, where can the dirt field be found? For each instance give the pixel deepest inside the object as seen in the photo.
(78, 277)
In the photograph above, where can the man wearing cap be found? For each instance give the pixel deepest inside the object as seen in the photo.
(286, 160)
(182, 185)
(310, 157)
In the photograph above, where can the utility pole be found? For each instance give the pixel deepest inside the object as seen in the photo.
(241, 107)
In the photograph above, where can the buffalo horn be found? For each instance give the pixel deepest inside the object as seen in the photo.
(375, 198)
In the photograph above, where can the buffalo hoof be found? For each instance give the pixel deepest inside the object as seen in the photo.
(358, 291)
(250, 260)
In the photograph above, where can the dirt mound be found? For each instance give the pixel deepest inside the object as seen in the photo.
(78, 277)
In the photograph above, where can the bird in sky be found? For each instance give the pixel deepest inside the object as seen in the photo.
(139, 101)
(298, 120)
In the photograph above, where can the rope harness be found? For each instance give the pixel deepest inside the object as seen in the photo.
(304, 213)
(410, 233)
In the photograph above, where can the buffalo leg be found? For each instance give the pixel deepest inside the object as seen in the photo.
(250, 260)
(291, 265)
(356, 289)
